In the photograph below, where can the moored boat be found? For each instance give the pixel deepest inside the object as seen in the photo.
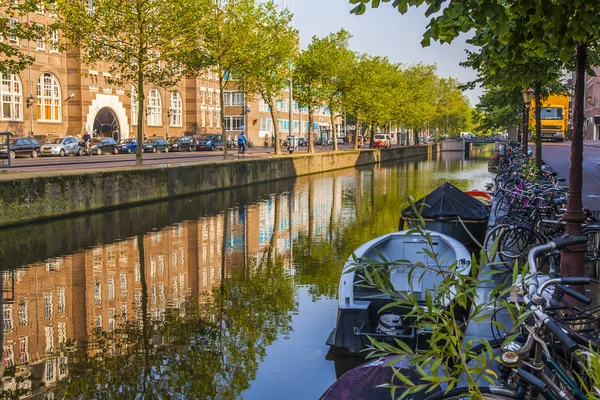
(359, 306)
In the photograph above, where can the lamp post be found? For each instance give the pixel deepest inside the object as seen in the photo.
(29, 103)
(169, 113)
(527, 97)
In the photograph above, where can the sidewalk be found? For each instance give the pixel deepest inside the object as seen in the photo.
(557, 156)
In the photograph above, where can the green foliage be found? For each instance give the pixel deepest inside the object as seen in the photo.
(273, 51)
(141, 41)
(450, 359)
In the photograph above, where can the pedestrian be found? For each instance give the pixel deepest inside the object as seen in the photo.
(266, 142)
(272, 140)
(241, 142)
(235, 140)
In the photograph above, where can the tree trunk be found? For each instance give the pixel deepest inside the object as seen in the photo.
(274, 117)
(334, 133)
(571, 260)
(222, 114)
(311, 145)
(372, 135)
(356, 133)
(139, 152)
(538, 126)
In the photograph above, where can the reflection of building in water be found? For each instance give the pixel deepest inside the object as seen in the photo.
(65, 300)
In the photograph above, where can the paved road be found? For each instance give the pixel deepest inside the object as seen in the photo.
(557, 155)
(121, 160)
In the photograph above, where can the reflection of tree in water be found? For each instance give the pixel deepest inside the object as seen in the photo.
(210, 351)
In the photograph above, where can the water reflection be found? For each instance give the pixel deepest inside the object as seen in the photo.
(182, 299)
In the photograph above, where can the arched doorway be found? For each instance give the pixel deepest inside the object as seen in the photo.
(106, 124)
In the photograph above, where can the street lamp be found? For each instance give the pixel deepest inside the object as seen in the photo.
(29, 103)
(527, 97)
(169, 113)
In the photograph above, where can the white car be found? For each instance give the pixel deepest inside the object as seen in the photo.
(60, 146)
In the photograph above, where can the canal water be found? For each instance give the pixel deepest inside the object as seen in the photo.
(220, 296)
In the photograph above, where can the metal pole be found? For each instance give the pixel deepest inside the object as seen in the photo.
(291, 112)
(30, 83)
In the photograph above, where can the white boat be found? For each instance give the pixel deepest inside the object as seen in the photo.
(358, 307)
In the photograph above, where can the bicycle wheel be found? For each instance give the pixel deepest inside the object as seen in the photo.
(490, 393)
(514, 243)
(591, 261)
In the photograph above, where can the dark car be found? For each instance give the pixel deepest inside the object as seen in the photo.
(21, 147)
(154, 145)
(127, 146)
(302, 141)
(210, 142)
(180, 143)
(101, 145)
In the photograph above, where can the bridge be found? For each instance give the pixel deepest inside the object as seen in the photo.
(481, 140)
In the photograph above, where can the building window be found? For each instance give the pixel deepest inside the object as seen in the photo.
(233, 98)
(12, 37)
(50, 374)
(234, 123)
(284, 125)
(9, 356)
(262, 106)
(23, 314)
(217, 119)
(111, 288)
(154, 108)
(48, 99)
(40, 43)
(12, 98)
(98, 293)
(61, 299)
(210, 119)
(7, 318)
(49, 333)
(203, 97)
(265, 124)
(176, 108)
(40, 8)
(134, 107)
(48, 306)
(203, 114)
(90, 7)
(23, 350)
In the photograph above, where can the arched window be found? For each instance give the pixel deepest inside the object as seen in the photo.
(154, 108)
(11, 96)
(48, 99)
(176, 110)
(134, 106)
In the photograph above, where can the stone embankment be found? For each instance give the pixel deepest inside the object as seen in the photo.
(37, 196)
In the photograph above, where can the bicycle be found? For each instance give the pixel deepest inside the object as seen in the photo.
(529, 370)
(241, 150)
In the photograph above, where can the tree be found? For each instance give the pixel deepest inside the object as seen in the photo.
(13, 29)
(272, 57)
(143, 40)
(225, 35)
(566, 27)
(453, 112)
(337, 62)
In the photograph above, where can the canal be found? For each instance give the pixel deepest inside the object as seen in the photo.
(226, 295)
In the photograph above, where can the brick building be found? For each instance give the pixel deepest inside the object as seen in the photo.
(58, 96)
(592, 106)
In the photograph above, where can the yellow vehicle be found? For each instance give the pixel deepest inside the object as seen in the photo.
(554, 116)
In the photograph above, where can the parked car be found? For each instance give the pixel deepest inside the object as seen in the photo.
(382, 140)
(127, 146)
(180, 143)
(318, 141)
(60, 146)
(155, 144)
(329, 141)
(20, 147)
(340, 140)
(302, 141)
(210, 142)
(101, 145)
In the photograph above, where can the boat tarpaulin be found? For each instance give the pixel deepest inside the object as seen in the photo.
(447, 202)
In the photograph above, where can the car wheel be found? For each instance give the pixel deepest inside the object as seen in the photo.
(129, 151)
(62, 152)
(154, 149)
(80, 152)
(99, 151)
(13, 154)
(212, 148)
(115, 151)
(34, 153)
(166, 149)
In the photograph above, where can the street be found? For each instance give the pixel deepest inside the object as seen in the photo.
(557, 155)
(120, 160)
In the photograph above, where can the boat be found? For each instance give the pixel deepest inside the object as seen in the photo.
(450, 211)
(358, 307)
(482, 196)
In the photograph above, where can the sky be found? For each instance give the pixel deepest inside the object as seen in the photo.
(383, 32)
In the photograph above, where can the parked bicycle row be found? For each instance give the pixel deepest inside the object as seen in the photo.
(529, 210)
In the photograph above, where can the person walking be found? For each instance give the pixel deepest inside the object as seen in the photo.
(241, 142)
